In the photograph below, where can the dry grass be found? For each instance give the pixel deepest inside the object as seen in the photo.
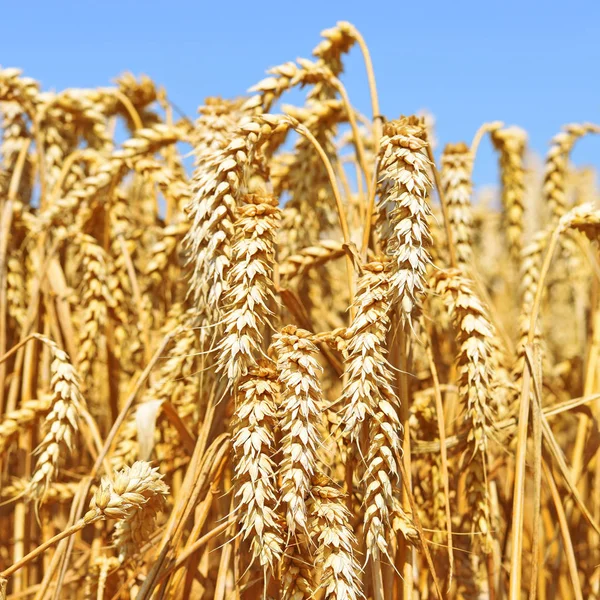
(316, 369)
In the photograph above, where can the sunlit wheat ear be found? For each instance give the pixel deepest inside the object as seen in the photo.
(16, 291)
(286, 76)
(511, 143)
(368, 374)
(368, 397)
(337, 41)
(531, 264)
(218, 185)
(457, 166)
(95, 301)
(133, 488)
(583, 218)
(61, 423)
(383, 512)
(134, 531)
(297, 577)
(162, 254)
(474, 333)
(335, 541)
(250, 289)
(300, 414)
(403, 189)
(218, 119)
(254, 448)
(557, 164)
(296, 265)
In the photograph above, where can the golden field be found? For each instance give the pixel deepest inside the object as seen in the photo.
(316, 365)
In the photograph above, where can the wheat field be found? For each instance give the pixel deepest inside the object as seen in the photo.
(315, 364)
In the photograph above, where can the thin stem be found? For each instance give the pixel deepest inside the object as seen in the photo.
(369, 215)
(192, 549)
(14, 349)
(485, 128)
(130, 108)
(372, 86)
(444, 205)
(360, 148)
(565, 533)
(302, 130)
(43, 547)
(439, 408)
(5, 226)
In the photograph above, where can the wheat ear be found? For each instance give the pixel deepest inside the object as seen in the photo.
(474, 332)
(457, 166)
(299, 418)
(335, 541)
(511, 143)
(557, 163)
(250, 288)
(404, 186)
(132, 489)
(254, 448)
(61, 423)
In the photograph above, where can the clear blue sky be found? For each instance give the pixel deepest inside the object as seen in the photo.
(531, 63)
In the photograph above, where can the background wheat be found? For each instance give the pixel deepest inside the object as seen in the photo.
(311, 366)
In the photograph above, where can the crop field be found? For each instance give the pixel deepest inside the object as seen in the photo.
(291, 352)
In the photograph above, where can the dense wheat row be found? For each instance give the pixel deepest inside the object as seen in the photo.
(317, 367)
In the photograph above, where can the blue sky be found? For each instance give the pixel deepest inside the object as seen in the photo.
(530, 63)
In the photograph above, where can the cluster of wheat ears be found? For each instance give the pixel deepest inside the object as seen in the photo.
(314, 368)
